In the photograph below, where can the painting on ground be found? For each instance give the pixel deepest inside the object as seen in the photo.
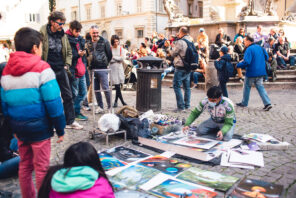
(109, 162)
(175, 189)
(193, 141)
(132, 177)
(165, 165)
(249, 188)
(208, 178)
(126, 154)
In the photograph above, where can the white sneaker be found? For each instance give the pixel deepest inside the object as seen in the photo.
(99, 110)
(74, 125)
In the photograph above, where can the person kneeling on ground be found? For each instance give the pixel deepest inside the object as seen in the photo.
(81, 175)
(221, 109)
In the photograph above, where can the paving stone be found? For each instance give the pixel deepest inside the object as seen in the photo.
(280, 166)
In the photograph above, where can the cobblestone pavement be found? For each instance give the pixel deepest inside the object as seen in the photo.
(280, 166)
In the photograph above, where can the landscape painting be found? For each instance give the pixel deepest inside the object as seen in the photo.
(208, 178)
(132, 177)
(175, 189)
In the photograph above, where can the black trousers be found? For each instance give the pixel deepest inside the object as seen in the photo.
(66, 92)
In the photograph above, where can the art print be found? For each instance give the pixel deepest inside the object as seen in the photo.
(126, 154)
(132, 177)
(165, 165)
(208, 178)
(197, 142)
(250, 188)
(109, 162)
(172, 189)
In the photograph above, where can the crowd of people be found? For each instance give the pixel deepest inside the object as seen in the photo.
(50, 76)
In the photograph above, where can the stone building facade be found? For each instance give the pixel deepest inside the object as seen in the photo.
(131, 20)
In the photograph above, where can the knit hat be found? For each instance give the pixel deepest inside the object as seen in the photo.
(224, 49)
(201, 30)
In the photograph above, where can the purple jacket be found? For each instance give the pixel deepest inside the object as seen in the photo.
(101, 189)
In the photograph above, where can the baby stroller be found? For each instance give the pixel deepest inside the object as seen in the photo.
(130, 74)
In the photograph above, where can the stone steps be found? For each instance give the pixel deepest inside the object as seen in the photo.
(285, 79)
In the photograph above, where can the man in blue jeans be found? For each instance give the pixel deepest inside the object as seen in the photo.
(254, 63)
(282, 50)
(78, 68)
(181, 76)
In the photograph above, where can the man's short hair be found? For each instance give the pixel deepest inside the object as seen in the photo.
(250, 38)
(75, 25)
(113, 38)
(270, 39)
(146, 38)
(184, 30)
(214, 92)
(55, 16)
(25, 38)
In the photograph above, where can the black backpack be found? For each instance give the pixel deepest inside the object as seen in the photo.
(191, 57)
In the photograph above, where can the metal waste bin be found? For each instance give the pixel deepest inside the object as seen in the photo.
(149, 84)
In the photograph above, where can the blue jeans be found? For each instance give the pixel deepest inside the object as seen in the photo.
(79, 91)
(101, 81)
(223, 87)
(9, 168)
(282, 62)
(210, 127)
(196, 76)
(182, 77)
(258, 81)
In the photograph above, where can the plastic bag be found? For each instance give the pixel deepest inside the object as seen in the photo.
(109, 121)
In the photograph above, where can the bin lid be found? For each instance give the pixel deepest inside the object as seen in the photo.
(151, 61)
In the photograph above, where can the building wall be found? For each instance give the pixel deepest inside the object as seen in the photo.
(25, 13)
(131, 19)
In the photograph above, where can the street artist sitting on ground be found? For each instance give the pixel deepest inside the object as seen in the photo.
(222, 119)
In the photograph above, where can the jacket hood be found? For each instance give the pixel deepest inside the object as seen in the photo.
(226, 57)
(21, 62)
(73, 179)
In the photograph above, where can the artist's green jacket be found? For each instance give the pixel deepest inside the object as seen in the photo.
(66, 49)
(221, 113)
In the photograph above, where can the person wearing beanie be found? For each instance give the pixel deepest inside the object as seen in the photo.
(222, 65)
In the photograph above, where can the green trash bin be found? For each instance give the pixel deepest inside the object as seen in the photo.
(149, 84)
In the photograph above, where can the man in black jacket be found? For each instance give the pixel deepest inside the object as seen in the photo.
(99, 56)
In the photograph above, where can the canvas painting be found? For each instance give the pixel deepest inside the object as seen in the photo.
(132, 194)
(249, 188)
(175, 189)
(208, 178)
(132, 177)
(197, 142)
(109, 162)
(165, 165)
(126, 154)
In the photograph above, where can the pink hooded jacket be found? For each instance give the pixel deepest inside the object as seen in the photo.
(101, 189)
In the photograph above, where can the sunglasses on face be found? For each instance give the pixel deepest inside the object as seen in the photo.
(60, 24)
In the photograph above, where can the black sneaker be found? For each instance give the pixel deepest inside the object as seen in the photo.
(267, 107)
(240, 104)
